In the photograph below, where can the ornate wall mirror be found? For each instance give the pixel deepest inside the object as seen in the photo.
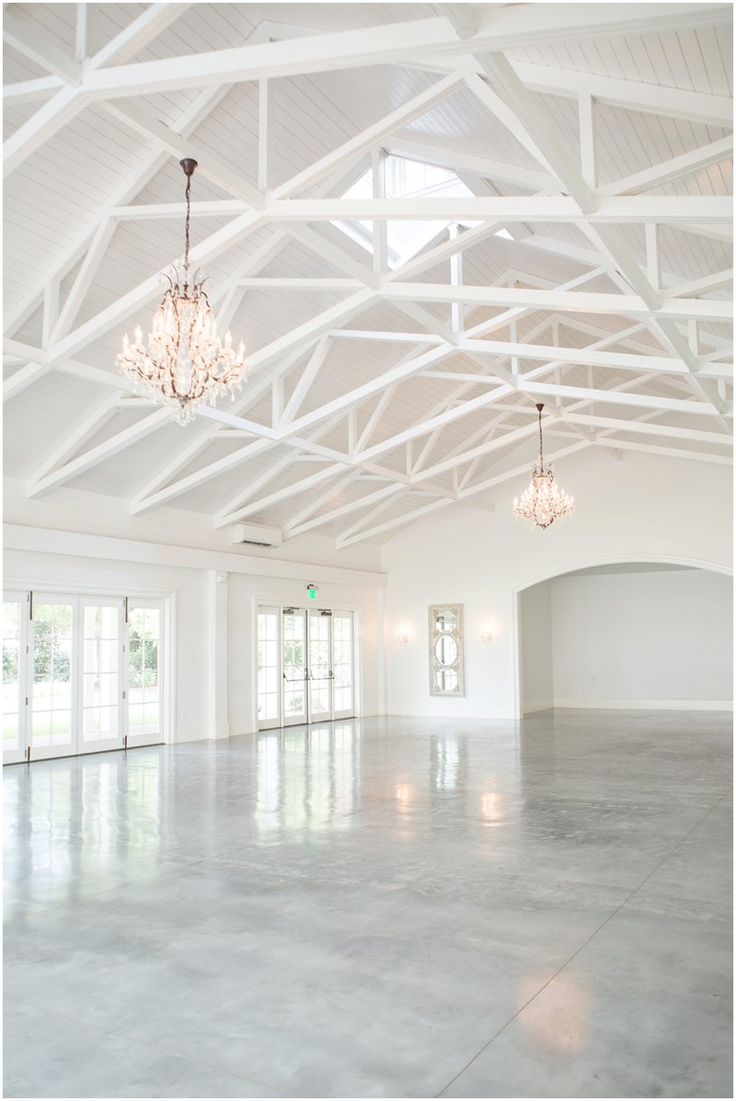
(446, 656)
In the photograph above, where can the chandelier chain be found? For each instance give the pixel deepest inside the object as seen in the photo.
(187, 228)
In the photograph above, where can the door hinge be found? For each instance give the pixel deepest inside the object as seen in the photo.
(30, 606)
(125, 608)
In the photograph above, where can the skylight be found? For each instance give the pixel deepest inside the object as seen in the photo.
(407, 179)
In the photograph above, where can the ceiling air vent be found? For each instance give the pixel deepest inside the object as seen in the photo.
(255, 535)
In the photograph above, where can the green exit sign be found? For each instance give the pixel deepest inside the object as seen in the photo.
(312, 591)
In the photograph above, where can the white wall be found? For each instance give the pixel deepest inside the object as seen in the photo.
(535, 632)
(214, 622)
(639, 638)
(644, 508)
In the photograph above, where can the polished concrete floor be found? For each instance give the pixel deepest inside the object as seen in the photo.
(380, 908)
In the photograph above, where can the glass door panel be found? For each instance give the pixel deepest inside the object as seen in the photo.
(144, 672)
(343, 659)
(320, 666)
(101, 720)
(52, 697)
(268, 668)
(294, 670)
(14, 662)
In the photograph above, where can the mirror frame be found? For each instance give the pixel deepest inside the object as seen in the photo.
(456, 610)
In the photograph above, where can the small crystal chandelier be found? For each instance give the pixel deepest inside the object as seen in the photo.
(543, 501)
(183, 364)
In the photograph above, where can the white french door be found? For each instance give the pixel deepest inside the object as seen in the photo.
(144, 672)
(320, 665)
(294, 674)
(15, 664)
(305, 666)
(79, 675)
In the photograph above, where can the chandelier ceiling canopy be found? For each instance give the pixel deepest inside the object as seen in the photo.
(543, 501)
(182, 363)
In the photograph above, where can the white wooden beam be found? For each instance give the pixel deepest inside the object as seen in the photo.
(22, 378)
(265, 134)
(559, 301)
(106, 450)
(673, 169)
(34, 42)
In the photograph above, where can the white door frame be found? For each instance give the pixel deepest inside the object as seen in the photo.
(77, 595)
(278, 604)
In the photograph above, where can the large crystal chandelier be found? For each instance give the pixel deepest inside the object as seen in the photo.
(182, 363)
(543, 501)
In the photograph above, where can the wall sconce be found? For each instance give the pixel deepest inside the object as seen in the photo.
(486, 637)
(401, 638)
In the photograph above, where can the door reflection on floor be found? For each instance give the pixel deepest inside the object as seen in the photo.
(308, 777)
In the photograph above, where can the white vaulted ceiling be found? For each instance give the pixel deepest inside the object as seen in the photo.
(594, 140)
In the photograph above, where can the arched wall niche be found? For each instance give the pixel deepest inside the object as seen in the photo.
(648, 563)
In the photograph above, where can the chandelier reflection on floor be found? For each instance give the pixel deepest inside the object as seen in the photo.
(543, 501)
(182, 363)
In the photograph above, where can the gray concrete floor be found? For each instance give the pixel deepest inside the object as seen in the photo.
(380, 908)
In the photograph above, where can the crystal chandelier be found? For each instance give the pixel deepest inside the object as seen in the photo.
(543, 501)
(182, 363)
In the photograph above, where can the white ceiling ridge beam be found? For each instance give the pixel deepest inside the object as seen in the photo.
(672, 169)
(613, 209)
(559, 301)
(28, 91)
(34, 42)
(485, 167)
(144, 122)
(72, 98)
(670, 452)
(24, 377)
(189, 120)
(99, 453)
(371, 136)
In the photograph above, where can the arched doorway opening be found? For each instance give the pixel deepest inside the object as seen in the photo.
(637, 634)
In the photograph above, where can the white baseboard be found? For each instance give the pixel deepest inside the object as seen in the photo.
(644, 705)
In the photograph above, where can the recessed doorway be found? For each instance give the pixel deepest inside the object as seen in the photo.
(306, 665)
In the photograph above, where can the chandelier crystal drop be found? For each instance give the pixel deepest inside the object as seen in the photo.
(543, 501)
(182, 363)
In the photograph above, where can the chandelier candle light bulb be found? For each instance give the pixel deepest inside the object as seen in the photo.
(183, 364)
(543, 501)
